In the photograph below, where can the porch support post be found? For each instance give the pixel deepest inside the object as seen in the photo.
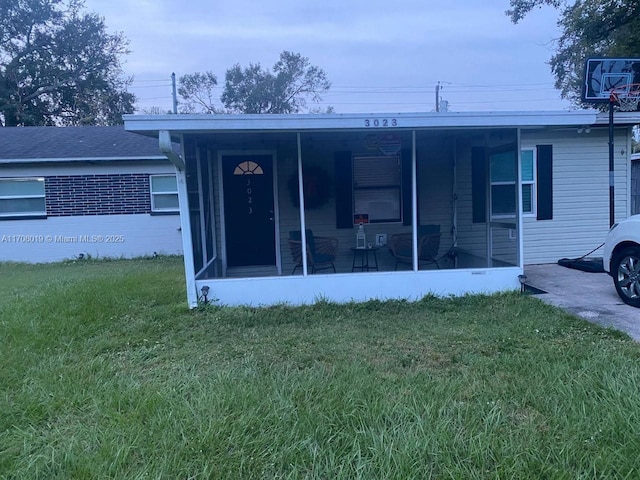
(414, 201)
(303, 225)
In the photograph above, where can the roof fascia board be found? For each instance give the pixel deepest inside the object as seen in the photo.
(256, 123)
(160, 158)
(619, 118)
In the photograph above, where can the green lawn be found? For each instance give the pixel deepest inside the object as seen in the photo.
(104, 373)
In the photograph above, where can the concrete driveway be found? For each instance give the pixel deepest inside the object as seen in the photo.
(591, 296)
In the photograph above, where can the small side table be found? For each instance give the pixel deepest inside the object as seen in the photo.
(363, 254)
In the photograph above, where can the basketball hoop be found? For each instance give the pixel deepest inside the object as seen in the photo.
(627, 97)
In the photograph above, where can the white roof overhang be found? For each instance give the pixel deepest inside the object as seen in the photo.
(619, 118)
(157, 158)
(152, 124)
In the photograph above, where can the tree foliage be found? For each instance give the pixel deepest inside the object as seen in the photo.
(589, 28)
(197, 91)
(59, 66)
(287, 89)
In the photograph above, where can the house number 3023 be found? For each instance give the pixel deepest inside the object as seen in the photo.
(249, 197)
(381, 122)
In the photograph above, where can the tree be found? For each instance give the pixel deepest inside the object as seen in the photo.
(155, 110)
(59, 66)
(589, 28)
(197, 90)
(286, 89)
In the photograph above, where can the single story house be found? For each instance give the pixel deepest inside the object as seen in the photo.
(388, 205)
(85, 191)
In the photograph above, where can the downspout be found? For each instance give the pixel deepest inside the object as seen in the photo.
(164, 140)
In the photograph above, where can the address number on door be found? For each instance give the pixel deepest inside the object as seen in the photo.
(381, 122)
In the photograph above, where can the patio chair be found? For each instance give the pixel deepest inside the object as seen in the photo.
(400, 246)
(321, 251)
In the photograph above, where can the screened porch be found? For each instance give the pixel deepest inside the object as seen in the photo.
(425, 200)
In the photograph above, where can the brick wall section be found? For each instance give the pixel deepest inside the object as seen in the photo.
(97, 195)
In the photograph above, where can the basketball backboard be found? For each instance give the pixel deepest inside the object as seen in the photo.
(605, 74)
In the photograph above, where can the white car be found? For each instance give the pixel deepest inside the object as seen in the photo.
(621, 259)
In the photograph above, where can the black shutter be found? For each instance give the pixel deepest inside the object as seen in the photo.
(344, 189)
(405, 171)
(544, 181)
(479, 184)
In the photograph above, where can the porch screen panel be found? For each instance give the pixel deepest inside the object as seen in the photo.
(193, 200)
(207, 193)
(479, 184)
(407, 202)
(376, 188)
(503, 176)
(344, 184)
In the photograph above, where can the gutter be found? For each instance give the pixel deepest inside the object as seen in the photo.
(153, 158)
(164, 141)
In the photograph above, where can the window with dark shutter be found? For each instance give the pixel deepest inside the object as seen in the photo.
(377, 188)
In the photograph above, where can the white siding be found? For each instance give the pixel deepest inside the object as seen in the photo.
(60, 238)
(580, 193)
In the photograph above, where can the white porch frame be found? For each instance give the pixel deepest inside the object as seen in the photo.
(341, 287)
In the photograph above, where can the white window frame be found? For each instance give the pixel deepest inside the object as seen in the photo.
(355, 188)
(152, 194)
(534, 186)
(42, 213)
(492, 184)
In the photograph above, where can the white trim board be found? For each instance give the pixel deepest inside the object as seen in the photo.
(347, 287)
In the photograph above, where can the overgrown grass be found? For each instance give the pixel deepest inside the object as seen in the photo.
(104, 373)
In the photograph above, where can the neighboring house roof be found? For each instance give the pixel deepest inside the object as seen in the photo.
(63, 144)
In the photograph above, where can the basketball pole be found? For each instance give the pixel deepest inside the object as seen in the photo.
(612, 216)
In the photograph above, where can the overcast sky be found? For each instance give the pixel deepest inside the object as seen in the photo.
(380, 56)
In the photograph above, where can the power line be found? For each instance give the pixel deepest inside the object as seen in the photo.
(452, 92)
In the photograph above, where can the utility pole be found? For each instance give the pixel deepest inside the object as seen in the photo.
(438, 97)
(175, 96)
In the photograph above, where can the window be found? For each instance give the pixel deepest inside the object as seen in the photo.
(377, 188)
(536, 180)
(528, 175)
(164, 193)
(22, 197)
(503, 184)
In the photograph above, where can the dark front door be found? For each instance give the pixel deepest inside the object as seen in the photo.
(248, 210)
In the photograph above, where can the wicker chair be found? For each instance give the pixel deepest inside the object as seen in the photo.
(400, 246)
(321, 251)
